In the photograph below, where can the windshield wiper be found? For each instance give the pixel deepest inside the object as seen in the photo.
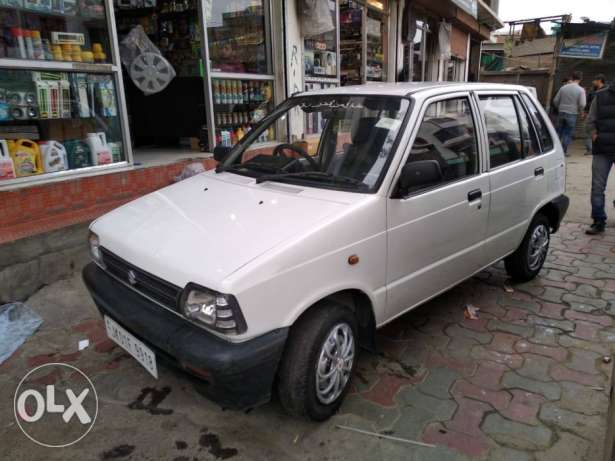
(315, 175)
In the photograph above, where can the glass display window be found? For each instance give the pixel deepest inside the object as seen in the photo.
(351, 42)
(237, 37)
(320, 51)
(57, 121)
(239, 104)
(52, 30)
(375, 68)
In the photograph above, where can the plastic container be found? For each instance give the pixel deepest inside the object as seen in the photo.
(54, 156)
(101, 154)
(78, 154)
(7, 170)
(26, 157)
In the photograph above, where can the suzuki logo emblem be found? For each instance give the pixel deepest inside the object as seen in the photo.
(132, 277)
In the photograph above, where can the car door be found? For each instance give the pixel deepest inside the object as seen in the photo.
(516, 171)
(435, 230)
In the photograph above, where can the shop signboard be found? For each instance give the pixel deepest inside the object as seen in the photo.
(469, 6)
(587, 47)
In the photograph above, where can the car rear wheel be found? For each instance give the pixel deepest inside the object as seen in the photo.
(318, 362)
(527, 261)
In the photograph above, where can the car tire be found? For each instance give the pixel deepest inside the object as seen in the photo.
(312, 345)
(527, 260)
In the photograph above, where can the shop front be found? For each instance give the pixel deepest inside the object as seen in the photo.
(61, 101)
(88, 86)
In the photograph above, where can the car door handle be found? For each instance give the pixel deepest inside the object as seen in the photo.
(474, 195)
(540, 171)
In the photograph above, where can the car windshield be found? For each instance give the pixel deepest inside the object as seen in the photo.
(329, 141)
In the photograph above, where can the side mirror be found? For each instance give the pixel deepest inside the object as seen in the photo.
(221, 152)
(419, 174)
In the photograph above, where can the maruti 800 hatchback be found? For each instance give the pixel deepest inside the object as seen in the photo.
(267, 274)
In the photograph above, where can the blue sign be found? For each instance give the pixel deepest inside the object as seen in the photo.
(588, 47)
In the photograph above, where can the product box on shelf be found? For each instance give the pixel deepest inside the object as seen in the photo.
(116, 151)
(22, 105)
(78, 153)
(79, 92)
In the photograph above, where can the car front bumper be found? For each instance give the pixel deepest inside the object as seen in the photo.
(235, 375)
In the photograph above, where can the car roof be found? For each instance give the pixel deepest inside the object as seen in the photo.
(408, 88)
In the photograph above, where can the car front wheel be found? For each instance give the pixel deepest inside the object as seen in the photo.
(318, 363)
(527, 261)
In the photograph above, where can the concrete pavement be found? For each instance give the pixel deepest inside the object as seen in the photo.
(525, 381)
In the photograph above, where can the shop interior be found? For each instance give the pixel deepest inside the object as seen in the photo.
(173, 119)
(170, 115)
(363, 41)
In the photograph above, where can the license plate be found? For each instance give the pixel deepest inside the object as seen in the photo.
(144, 355)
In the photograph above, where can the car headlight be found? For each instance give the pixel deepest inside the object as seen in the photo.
(217, 311)
(95, 252)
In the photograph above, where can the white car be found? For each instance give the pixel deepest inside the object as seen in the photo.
(268, 273)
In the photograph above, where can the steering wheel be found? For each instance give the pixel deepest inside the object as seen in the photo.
(279, 152)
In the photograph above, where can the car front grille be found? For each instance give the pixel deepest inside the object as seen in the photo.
(147, 284)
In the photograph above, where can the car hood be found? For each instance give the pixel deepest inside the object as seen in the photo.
(206, 227)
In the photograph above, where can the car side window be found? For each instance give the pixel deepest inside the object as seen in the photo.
(445, 146)
(539, 123)
(503, 129)
(531, 146)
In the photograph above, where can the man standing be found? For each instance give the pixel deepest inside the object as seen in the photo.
(597, 84)
(569, 100)
(601, 123)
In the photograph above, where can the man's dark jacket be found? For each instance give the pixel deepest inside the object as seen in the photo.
(605, 122)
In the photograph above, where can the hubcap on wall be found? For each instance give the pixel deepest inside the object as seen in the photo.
(538, 247)
(334, 363)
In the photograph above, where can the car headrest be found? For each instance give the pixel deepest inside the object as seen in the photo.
(363, 130)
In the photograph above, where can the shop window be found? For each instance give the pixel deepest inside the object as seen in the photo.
(320, 51)
(238, 106)
(376, 45)
(55, 121)
(351, 42)
(238, 41)
(46, 30)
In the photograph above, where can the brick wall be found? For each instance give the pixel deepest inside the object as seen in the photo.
(30, 211)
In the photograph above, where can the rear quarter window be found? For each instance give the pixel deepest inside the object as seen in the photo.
(542, 130)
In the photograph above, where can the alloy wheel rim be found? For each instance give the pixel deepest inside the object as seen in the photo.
(538, 247)
(335, 363)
